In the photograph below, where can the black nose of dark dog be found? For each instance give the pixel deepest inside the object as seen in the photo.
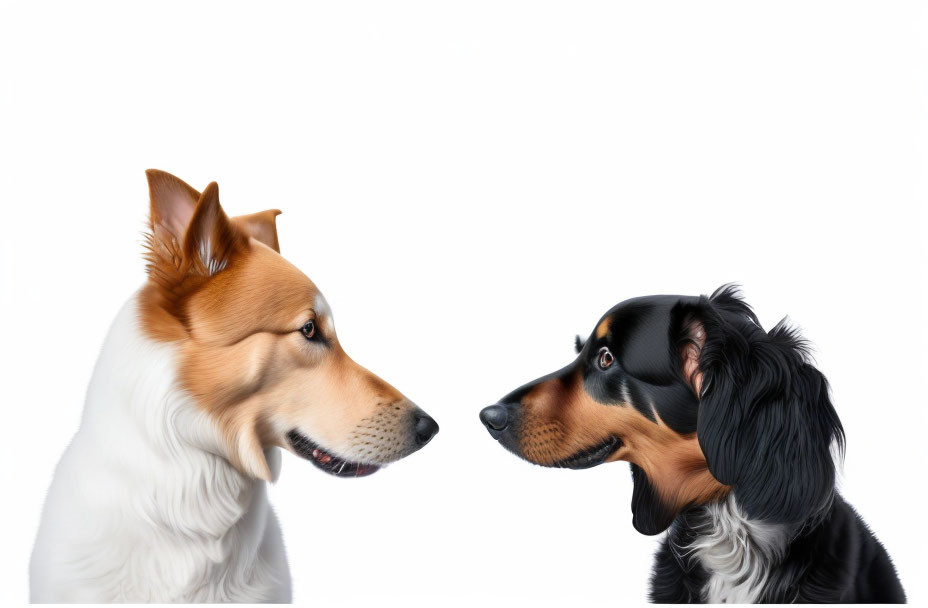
(426, 428)
(495, 418)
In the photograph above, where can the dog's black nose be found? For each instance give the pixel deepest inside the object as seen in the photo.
(426, 428)
(495, 418)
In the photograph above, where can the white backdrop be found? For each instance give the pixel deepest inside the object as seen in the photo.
(471, 184)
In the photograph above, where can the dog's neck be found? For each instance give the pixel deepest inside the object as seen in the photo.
(158, 465)
(738, 553)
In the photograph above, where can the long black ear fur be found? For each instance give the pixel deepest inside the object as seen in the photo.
(766, 424)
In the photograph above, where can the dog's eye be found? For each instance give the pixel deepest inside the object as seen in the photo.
(605, 358)
(309, 330)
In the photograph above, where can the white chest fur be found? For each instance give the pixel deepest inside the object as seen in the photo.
(738, 553)
(142, 506)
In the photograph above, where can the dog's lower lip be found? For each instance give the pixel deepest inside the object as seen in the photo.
(591, 457)
(329, 463)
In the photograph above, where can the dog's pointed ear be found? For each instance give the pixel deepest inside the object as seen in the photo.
(261, 226)
(211, 240)
(173, 202)
(766, 424)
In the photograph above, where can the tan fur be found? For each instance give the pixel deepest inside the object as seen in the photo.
(261, 226)
(243, 357)
(559, 419)
(603, 328)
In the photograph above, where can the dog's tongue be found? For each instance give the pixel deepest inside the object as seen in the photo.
(321, 456)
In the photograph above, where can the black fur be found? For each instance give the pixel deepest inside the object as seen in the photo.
(766, 425)
(649, 515)
(836, 560)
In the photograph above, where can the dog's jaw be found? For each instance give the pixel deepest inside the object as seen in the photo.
(334, 465)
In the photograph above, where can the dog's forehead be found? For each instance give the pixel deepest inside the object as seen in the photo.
(261, 291)
(626, 317)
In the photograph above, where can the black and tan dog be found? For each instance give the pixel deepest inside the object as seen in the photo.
(729, 431)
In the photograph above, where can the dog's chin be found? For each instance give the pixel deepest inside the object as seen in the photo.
(331, 464)
(586, 458)
(592, 456)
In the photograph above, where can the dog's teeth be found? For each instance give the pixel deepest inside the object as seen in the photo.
(315, 453)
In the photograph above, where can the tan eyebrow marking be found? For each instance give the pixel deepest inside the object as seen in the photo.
(603, 328)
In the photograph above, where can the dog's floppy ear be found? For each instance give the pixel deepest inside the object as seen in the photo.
(260, 226)
(650, 514)
(766, 424)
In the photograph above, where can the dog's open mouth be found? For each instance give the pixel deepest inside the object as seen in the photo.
(329, 463)
(590, 457)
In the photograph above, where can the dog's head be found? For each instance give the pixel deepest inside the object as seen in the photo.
(698, 398)
(257, 345)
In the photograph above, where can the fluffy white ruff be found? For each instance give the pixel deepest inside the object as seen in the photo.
(738, 553)
(143, 507)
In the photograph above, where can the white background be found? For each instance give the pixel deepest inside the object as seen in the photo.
(471, 184)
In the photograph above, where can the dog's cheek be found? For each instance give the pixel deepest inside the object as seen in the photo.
(222, 377)
(650, 514)
(226, 383)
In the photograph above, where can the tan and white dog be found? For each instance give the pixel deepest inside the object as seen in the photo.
(226, 354)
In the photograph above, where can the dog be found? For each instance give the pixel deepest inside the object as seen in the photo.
(731, 438)
(227, 353)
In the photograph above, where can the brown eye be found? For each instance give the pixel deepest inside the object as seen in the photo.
(605, 358)
(309, 330)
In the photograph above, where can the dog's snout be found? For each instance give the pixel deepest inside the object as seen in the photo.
(495, 418)
(426, 428)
